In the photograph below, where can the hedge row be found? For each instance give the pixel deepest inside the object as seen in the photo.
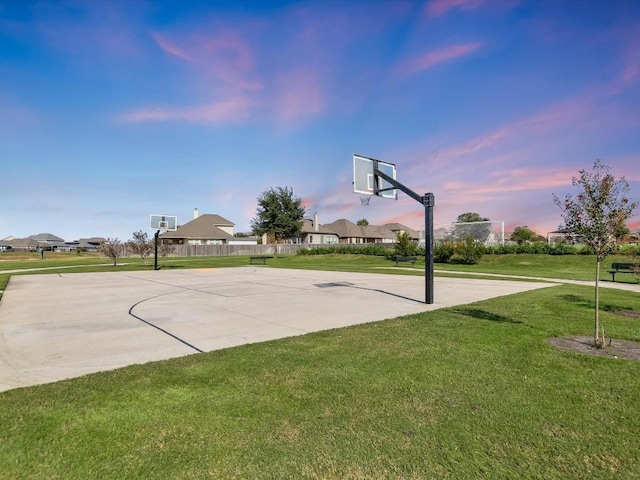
(364, 250)
(445, 251)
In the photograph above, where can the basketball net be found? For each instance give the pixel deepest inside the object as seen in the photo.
(365, 199)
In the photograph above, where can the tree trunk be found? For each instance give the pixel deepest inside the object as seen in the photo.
(596, 341)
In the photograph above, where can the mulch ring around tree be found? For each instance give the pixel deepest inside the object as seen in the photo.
(623, 349)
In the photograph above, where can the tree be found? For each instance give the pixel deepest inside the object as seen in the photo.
(472, 225)
(523, 234)
(279, 214)
(404, 244)
(596, 216)
(363, 222)
(111, 248)
(141, 245)
(165, 248)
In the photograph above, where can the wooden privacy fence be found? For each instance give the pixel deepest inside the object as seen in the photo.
(229, 250)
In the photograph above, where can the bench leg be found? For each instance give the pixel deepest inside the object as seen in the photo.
(613, 277)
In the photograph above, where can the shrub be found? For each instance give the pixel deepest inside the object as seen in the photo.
(372, 249)
(630, 250)
(443, 251)
(467, 252)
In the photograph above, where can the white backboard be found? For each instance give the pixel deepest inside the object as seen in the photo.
(168, 223)
(363, 177)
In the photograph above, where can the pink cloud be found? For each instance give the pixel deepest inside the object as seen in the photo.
(438, 8)
(408, 219)
(631, 67)
(225, 56)
(298, 94)
(470, 146)
(170, 48)
(432, 58)
(230, 110)
(515, 180)
(307, 203)
(553, 119)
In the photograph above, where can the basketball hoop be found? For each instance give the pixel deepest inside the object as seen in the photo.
(364, 200)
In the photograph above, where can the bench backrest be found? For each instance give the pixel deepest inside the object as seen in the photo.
(622, 266)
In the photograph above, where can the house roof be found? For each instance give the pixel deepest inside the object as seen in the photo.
(22, 242)
(45, 237)
(206, 226)
(346, 229)
(394, 227)
(307, 227)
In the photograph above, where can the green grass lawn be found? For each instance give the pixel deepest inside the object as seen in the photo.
(466, 392)
(574, 267)
(473, 391)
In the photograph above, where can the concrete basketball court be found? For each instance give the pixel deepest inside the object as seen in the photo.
(59, 326)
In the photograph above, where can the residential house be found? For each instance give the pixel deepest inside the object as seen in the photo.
(34, 242)
(315, 234)
(349, 232)
(48, 241)
(85, 244)
(205, 229)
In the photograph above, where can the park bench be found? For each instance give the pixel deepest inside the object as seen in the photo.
(259, 258)
(621, 268)
(402, 258)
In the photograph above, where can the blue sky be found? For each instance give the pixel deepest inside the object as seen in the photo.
(113, 110)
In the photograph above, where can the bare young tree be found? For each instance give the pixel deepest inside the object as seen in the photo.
(597, 216)
(165, 248)
(111, 248)
(141, 245)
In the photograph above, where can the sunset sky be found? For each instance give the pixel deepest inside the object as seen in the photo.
(113, 110)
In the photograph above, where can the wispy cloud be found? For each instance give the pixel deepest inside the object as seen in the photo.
(298, 94)
(225, 56)
(234, 109)
(514, 180)
(438, 8)
(630, 58)
(291, 68)
(171, 48)
(420, 63)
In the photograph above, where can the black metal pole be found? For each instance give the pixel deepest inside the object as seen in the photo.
(155, 258)
(428, 201)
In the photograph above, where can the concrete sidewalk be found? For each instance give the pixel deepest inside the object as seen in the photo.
(631, 287)
(59, 326)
